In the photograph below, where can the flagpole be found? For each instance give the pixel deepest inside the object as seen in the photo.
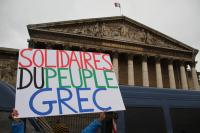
(118, 5)
(120, 11)
(121, 8)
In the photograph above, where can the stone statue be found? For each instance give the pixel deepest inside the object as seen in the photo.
(124, 31)
(151, 39)
(140, 36)
(96, 30)
(105, 30)
(8, 71)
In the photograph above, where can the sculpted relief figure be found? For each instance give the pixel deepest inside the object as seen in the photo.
(124, 31)
(56, 29)
(171, 45)
(162, 43)
(68, 30)
(90, 30)
(76, 30)
(115, 32)
(121, 31)
(80, 30)
(106, 30)
(8, 71)
(132, 33)
(96, 30)
(151, 39)
(140, 36)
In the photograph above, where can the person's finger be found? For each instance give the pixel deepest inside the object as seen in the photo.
(15, 113)
(102, 116)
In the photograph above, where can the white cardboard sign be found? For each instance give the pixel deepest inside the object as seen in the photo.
(60, 82)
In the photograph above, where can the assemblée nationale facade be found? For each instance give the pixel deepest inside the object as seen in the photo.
(141, 56)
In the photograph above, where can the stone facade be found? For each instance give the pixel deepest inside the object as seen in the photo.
(156, 59)
(141, 56)
(8, 65)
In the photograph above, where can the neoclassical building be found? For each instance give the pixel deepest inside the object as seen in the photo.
(141, 56)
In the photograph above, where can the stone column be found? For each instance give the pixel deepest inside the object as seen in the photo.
(194, 76)
(130, 70)
(115, 64)
(158, 73)
(145, 75)
(172, 83)
(184, 82)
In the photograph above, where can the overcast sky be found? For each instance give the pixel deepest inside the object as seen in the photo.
(179, 19)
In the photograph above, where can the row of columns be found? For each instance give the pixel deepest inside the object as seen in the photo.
(145, 76)
(159, 81)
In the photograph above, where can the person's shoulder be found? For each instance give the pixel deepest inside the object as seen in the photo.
(17, 123)
(97, 122)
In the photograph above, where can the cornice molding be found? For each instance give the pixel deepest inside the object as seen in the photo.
(100, 21)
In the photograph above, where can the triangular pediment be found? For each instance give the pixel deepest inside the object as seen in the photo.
(114, 28)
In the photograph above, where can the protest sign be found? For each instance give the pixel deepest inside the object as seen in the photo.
(59, 82)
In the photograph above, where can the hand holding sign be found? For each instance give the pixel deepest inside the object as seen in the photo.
(58, 82)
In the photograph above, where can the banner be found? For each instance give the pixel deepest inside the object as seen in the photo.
(59, 82)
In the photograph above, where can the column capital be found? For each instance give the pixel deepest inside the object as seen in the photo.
(170, 61)
(182, 62)
(157, 58)
(130, 55)
(144, 57)
(192, 63)
(115, 53)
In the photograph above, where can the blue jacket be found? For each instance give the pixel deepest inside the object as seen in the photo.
(18, 127)
(92, 127)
